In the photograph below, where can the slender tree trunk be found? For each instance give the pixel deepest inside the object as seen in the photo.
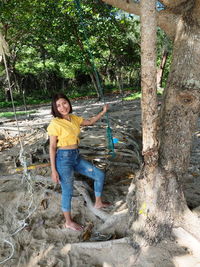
(89, 64)
(141, 204)
(7, 95)
(148, 82)
(6, 83)
(161, 69)
(120, 81)
(157, 201)
(92, 76)
(152, 200)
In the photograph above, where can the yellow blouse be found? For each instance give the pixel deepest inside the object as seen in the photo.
(66, 131)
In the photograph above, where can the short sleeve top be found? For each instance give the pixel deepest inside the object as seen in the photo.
(66, 131)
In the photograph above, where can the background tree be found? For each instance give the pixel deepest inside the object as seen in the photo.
(48, 50)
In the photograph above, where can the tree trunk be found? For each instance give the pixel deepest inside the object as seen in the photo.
(182, 99)
(157, 202)
(153, 200)
(7, 85)
(92, 76)
(161, 69)
(120, 82)
(7, 94)
(89, 64)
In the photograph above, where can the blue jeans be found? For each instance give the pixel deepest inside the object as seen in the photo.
(69, 161)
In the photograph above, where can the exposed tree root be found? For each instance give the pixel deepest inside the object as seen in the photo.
(186, 239)
(37, 178)
(109, 220)
(82, 190)
(99, 245)
(191, 223)
(117, 218)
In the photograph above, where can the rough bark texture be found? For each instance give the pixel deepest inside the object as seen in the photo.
(156, 201)
(182, 97)
(148, 81)
(160, 70)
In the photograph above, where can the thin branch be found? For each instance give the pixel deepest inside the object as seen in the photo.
(197, 4)
(172, 3)
(100, 245)
(167, 21)
(126, 5)
(196, 10)
(4, 50)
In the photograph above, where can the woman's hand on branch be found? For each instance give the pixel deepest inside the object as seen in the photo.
(95, 118)
(105, 108)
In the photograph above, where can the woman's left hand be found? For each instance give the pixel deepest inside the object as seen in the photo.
(95, 118)
(105, 108)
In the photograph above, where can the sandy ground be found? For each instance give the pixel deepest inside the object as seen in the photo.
(31, 222)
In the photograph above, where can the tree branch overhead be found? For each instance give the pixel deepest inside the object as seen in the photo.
(128, 6)
(166, 19)
(174, 3)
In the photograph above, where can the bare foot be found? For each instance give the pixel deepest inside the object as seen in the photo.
(102, 205)
(73, 226)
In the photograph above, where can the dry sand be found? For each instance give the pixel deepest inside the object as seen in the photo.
(31, 222)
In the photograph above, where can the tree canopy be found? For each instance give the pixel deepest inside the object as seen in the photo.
(49, 51)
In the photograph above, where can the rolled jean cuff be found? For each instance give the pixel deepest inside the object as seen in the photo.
(97, 194)
(66, 210)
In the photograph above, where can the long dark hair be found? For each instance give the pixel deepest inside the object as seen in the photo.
(54, 110)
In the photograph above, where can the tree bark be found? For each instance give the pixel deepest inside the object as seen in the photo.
(161, 69)
(158, 197)
(92, 76)
(148, 82)
(150, 194)
(182, 98)
(156, 201)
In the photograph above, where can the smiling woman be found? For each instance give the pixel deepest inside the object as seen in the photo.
(64, 108)
(64, 130)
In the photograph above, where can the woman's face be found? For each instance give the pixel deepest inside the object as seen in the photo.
(63, 106)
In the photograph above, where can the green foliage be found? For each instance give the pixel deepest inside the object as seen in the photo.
(20, 102)
(164, 44)
(12, 114)
(7, 104)
(133, 96)
(137, 95)
(53, 47)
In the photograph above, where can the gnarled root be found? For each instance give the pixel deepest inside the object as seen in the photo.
(96, 245)
(82, 190)
(109, 220)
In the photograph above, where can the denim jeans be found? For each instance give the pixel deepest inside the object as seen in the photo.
(69, 161)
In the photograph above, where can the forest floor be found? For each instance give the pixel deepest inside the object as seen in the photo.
(31, 222)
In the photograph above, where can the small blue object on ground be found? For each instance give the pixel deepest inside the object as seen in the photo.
(115, 140)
